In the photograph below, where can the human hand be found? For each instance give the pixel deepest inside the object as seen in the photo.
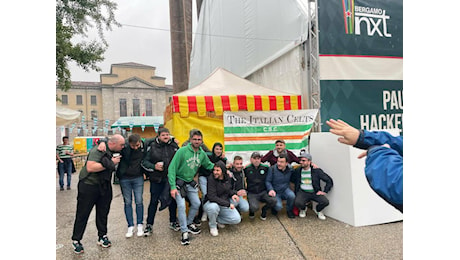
(101, 147)
(159, 166)
(235, 198)
(314, 166)
(272, 193)
(349, 135)
(174, 193)
(232, 206)
(321, 193)
(241, 192)
(116, 159)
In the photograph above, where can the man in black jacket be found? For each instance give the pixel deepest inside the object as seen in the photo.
(308, 187)
(257, 191)
(220, 201)
(238, 183)
(95, 189)
(156, 163)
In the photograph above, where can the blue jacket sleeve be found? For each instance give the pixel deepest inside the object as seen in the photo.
(269, 179)
(384, 172)
(370, 138)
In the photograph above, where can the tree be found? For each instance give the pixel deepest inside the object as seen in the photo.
(75, 17)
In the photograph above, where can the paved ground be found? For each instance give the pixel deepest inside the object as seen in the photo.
(276, 238)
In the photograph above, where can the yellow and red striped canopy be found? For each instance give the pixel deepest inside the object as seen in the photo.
(218, 104)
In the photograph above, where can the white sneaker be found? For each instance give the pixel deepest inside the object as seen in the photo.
(130, 232)
(321, 216)
(204, 217)
(140, 230)
(214, 232)
(303, 213)
(220, 225)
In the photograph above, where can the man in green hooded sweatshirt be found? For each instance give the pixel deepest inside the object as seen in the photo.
(181, 171)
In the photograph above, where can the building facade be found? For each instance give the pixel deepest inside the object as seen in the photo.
(130, 89)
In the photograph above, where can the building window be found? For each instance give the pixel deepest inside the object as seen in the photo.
(93, 114)
(136, 107)
(79, 100)
(148, 107)
(123, 107)
(93, 100)
(65, 99)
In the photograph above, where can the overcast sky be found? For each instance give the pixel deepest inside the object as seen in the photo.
(149, 45)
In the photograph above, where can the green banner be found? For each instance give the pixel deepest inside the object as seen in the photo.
(361, 27)
(365, 104)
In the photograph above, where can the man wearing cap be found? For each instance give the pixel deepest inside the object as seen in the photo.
(256, 174)
(307, 186)
(280, 148)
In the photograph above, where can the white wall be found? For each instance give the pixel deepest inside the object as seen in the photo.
(351, 199)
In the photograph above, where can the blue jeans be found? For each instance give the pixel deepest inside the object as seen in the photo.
(242, 205)
(192, 195)
(65, 166)
(203, 180)
(223, 215)
(287, 195)
(128, 186)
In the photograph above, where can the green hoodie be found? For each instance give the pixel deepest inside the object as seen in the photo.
(185, 163)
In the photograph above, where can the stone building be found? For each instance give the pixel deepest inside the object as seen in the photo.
(130, 89)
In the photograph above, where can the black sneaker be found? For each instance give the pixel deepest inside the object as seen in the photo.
(194, 229)
(62, 188)
(174, 226)
(251, 214)
(274, 212)
(104, 241)
(185, 241)
(77, 247)
(68, 188)
(197, 221)
(263, 215)
(148, 230)
(290, 214)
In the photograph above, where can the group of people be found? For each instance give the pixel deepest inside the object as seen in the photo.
(179, 175)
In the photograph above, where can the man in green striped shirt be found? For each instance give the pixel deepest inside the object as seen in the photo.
(64, 153)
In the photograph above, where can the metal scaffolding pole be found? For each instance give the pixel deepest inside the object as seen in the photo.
(313, 60)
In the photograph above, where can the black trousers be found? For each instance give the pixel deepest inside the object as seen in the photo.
(255, 198)
(156, 190)
(302, 197)
(88, 196)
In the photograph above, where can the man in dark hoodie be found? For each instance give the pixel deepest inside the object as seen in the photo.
(220, 202)
(95, 189)
(156, 163)
(131, 179)
(217, 154)
(238, 183)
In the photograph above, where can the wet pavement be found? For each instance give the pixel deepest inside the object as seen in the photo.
(276, 238)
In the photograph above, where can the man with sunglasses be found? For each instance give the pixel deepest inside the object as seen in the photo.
(308, 187)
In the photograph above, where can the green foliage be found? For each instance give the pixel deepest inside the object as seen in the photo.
(75, 17)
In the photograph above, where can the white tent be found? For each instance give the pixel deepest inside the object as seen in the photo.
(246, 36)
(65, 116)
